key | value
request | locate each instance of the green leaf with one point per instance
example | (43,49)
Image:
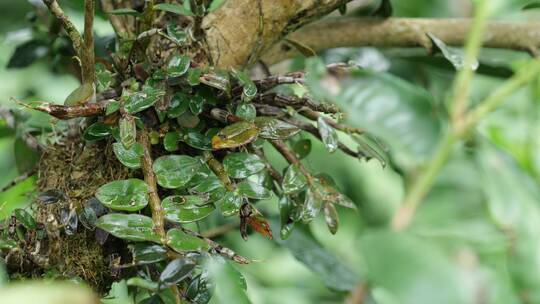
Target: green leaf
(198,141)
(170,141)
(176,33)
(194,75)
(229,282)
(25,218)
(181,242)
(249,88)
(384,10)
(142,283)
(285,209)
(125,11)
(140,101)
(128,131)
(27,53)
(235,135)
(312,204)
(97,131)
(230,203)
(126,195)
(188,120)
(204,181)
(186,208)
(130,158)
(454,55)
(175,171)
(302,148)
(176,271)
(273,128)
(294,180)
(42,292)
(196,104)
(179,105)
(335,274)
(253,190)
(531,5)
(217,80)
(131,227)
(242,164)
(246,111)
(84,93)
(331,217)
(112,107)
(175,8)
(147,253)
(178,66)
(372,148)
(328,135)
(26,158)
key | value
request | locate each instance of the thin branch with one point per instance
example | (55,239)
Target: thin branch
(289,155)
(313,115)
(158,216)
(87,54)
(404,32)
(70,28)
(295,102)
(68,112)
(220,230)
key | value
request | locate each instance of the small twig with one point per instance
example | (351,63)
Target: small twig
(70,28)
(313,115)
(158,217)
(289,155)
(219,170)
(217,248)
(295,102)
(68,112)
(18,179)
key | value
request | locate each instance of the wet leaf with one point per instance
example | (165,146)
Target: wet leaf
(147,253)
(249,88)
(204,181)
(331,217)
(196,104)
(81,95)
(88,218)
(294,180)
(302,148)
(219,81)
(175,8)
(252,190)
(179,105)
(126,195)
(260,224)
(312,204)
(128,131)
(285,209)
(328,135)
(131,227)
(176,271)
(242,164)
(273,128)
(170,141)
(130,158)
(230,203)
(142,100)
(175,171)
(198,141)
(178,66)
(194,75)
(176,33)
(186,208)
(69,220)
(97,131)
(246,111)
(235,135)
(454,55)
(181,242)
(25,218)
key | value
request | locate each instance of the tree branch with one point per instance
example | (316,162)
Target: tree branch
(70,28)
(87,55)
(240,30)
(404,32)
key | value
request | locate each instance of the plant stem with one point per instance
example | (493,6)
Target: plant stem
(87,54)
